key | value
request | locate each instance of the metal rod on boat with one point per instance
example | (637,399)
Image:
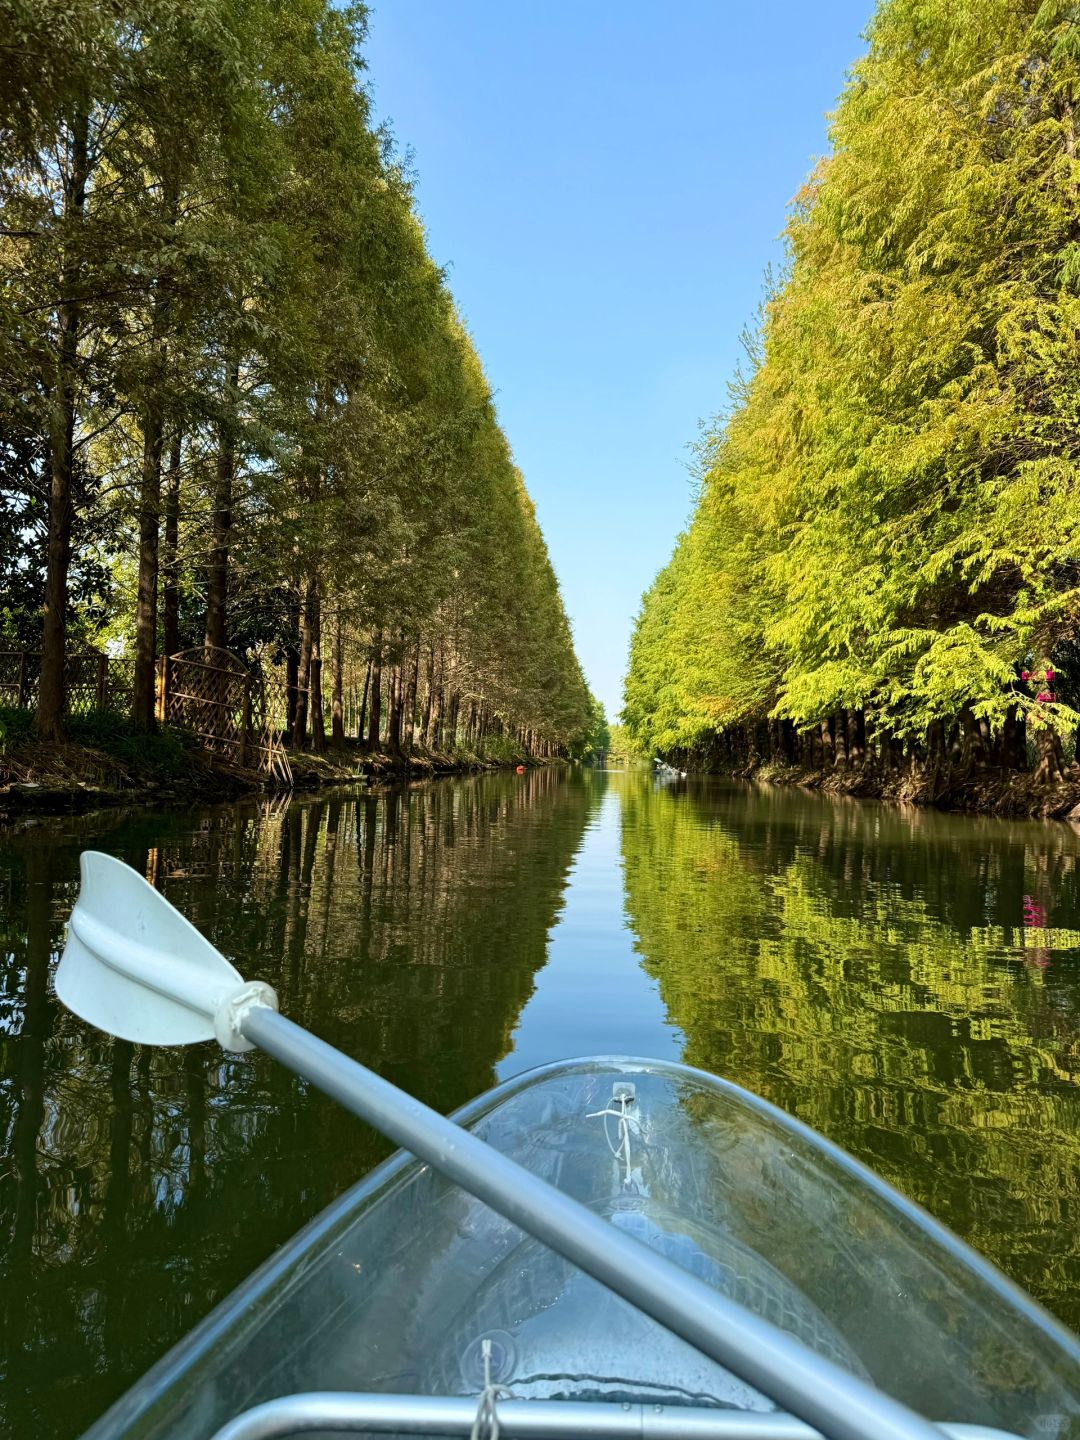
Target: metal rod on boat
(344,1413)
(811,1387)
(136,968)
(518,1419)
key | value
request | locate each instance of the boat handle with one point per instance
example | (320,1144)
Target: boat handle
(527,1420)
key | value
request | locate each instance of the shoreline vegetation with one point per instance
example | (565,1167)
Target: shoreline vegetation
(1010,795)
(878,591)
(961,783)
(125,768)
(253,483)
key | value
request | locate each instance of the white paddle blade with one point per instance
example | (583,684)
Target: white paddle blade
(134,967)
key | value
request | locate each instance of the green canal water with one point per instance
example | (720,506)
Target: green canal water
(908,983)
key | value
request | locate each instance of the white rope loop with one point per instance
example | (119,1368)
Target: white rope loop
(486,1424)
(622,1150)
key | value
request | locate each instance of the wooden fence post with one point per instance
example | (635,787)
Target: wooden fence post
(22,681)
(245,728)
(102,679)
(162,690)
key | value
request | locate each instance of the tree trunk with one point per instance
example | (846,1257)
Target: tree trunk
(840,739)
(146,606)
(375,715)
(217,587)
(425,721)
(142,702)
(363,704)
(437,703)
(986,738)
(304,690)
(955,745)
(410,704)
(338,722)
(1013,742)
(828,748)
(773,727)
(789,741)
(171,569)
(52,694)
(292,667)
(973,752)
(1050,761)
(393,720)
(153,428)
(315,694)
(857,736)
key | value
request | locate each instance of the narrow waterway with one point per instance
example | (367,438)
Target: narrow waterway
(908,983)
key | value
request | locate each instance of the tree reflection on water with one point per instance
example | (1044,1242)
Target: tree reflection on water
(870,970)
(906,983)
(139,1186)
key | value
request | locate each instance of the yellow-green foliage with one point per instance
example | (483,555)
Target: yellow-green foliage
(890,519)
(869,973)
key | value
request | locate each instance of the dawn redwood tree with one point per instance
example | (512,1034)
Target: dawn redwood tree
(888,525)
(224,343)
(180,239)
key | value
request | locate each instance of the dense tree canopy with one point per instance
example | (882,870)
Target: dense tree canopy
(885,548)
(237,404)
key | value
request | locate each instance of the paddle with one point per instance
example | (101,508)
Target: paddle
(134,967)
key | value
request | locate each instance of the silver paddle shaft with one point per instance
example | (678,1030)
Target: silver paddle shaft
(836,1403)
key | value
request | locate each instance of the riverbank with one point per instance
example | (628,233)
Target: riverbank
(1010,794)
(108,762)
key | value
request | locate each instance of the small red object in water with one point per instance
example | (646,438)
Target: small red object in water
(1034,914)
(521,770)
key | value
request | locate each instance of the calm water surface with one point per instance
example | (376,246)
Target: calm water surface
(907,983)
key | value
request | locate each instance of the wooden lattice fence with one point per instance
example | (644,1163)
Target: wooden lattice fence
(236,711)
(233,710)
(94,681)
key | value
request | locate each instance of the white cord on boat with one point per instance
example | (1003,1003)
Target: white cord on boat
(486,1424)
(622,1150)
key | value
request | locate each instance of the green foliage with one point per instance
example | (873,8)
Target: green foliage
(164,752)
(501,750)
(14,725)
(161,755)
(228,296)
(624,748)
(889,518)
(595,741)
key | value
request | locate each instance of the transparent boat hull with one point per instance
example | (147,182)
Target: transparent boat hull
(394,1287)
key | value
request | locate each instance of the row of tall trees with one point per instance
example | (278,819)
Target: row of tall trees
(237,406)
(885,553)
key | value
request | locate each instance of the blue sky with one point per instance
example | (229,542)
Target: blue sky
(606,185)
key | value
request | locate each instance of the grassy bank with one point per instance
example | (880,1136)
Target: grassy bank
(105,760)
